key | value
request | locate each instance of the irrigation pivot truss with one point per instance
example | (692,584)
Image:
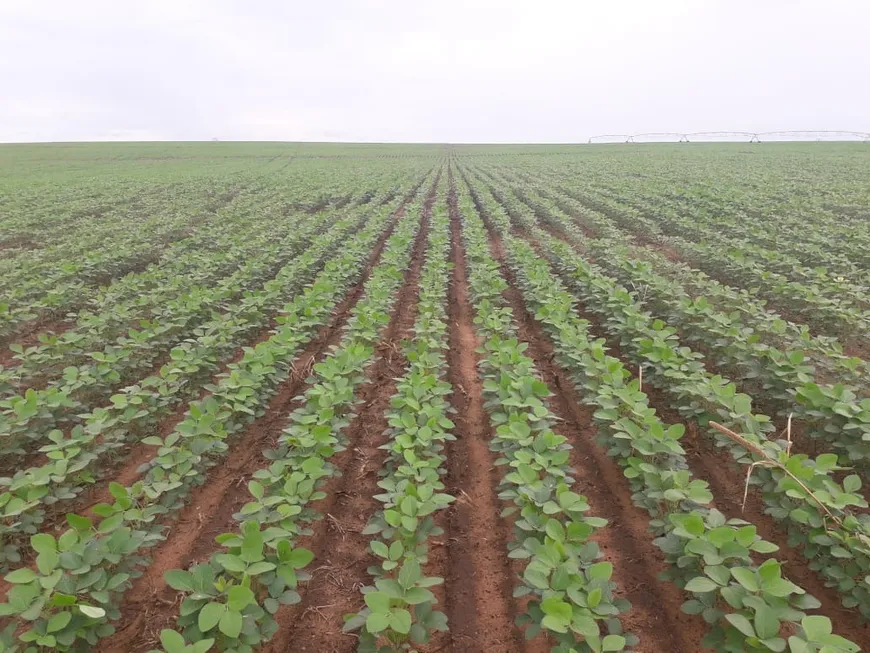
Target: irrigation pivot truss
(752,137)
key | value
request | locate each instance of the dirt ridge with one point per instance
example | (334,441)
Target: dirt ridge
(341,550)
(655,616)
(479,582)
(726,484)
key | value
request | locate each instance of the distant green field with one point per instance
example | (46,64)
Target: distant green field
(336,397)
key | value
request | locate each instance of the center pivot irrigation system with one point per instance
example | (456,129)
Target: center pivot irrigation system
(754,137)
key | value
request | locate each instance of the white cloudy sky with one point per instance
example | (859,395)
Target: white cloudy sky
(453,70)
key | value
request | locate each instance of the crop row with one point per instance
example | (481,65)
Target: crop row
(823,304)
(161,292)
(54,287)
(833,413)
(826,352)
(171,323)
(823,515)
(571,595)
(752,235)
(30,415)
(81,575)
(200,222)
(399,612)
(191,267)
(232,599)
(711,558)
(828,295)
(74,460)
(674,217)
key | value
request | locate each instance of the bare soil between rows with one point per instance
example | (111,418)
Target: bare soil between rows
(153,605)
(726,481)
(655,616)
(471,555)
(481,611)
(341,553)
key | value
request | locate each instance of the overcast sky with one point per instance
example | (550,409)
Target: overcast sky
(446,71)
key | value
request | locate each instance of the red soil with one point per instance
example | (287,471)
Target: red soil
(655,616)
(27,335)
(151,604)
(472,554)
(727,484)
(341,550)
(480,583)
(726,481)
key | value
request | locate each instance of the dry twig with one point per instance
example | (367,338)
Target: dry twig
(767,461)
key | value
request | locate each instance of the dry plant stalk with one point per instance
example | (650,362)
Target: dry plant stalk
(767,461)
(771,462)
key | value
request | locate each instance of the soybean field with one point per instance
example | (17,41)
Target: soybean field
(334,397)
